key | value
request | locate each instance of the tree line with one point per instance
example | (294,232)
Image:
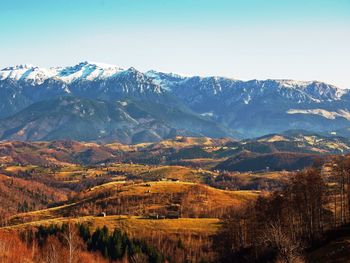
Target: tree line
(285,225)
(69,240)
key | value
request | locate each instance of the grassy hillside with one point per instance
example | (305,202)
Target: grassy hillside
(134,225)
(130,207)
(143,199)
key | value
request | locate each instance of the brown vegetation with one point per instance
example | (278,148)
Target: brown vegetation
(188,214)
(18,195)
(290,223)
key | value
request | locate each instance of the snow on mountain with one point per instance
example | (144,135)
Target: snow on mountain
(315,88)
(197,88)
(195,91)
(82,71)
(165,80)
(27,72)
(245,91)
(87,71)
(254,107)
(22,85)
(331,115)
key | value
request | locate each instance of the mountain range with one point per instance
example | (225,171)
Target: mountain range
(104,103)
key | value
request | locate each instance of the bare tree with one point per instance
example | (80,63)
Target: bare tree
(139,258)
(52,251)
(288,249)
(72,239)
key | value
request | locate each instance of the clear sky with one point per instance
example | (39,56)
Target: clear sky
(243,39)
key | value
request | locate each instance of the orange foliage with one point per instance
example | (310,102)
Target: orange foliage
(13,250)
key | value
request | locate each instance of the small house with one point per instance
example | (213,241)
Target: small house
(102,214)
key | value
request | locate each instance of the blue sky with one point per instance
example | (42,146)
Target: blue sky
(243,39)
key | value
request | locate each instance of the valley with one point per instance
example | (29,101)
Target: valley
(174,131)
(175,195)
(121,165)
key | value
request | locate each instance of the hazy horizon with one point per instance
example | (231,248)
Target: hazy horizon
(169,72)
(236,39)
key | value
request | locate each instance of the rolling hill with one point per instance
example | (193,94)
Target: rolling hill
(162,198)
(270,151)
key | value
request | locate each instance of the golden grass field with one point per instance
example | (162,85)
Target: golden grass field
(16,169)
(205,197)
(134,224)
(144,172)
(213,197)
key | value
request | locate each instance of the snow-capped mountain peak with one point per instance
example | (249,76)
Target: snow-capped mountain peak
(28,73)
(247,91)
(87,71)
(165,80)
(82,71)
(316,89)
(253,107)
